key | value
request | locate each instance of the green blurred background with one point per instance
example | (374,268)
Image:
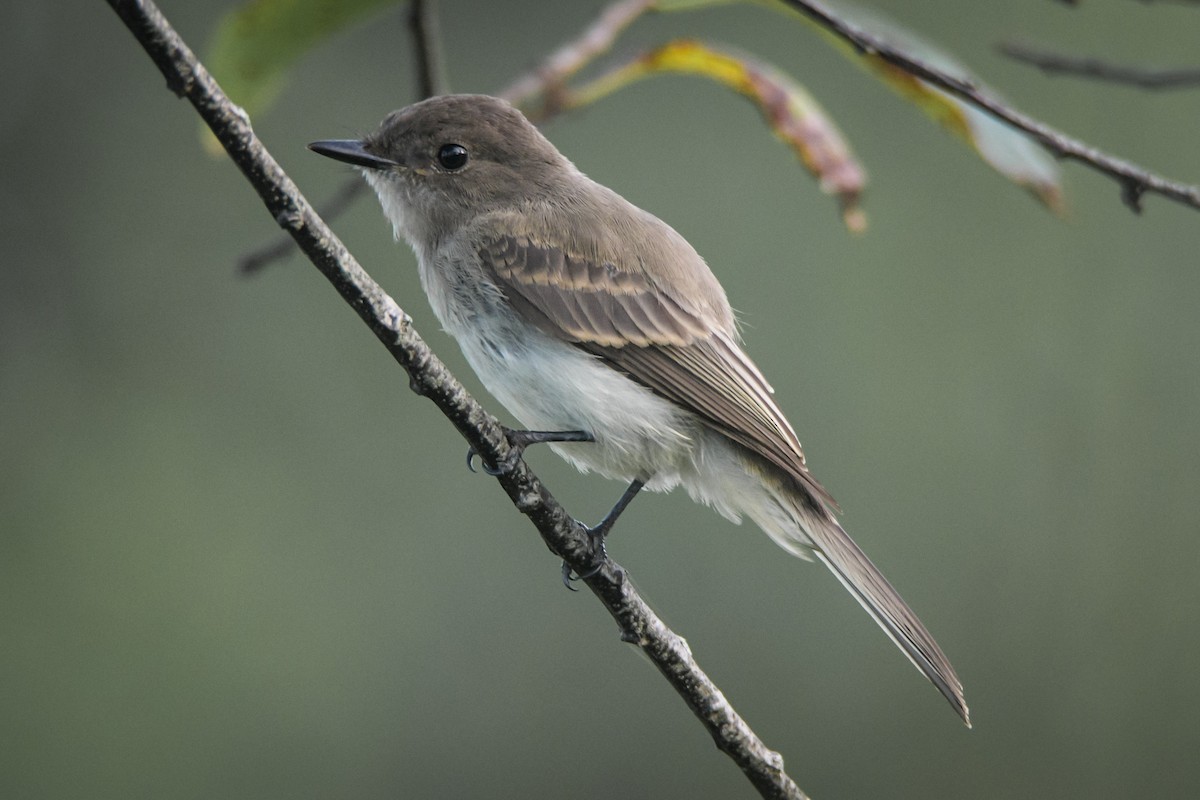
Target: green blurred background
(239,558)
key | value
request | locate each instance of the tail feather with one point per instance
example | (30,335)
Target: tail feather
(736,482)
(834,547)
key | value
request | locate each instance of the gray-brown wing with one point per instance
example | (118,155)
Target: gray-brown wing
(655,337)
(585,301)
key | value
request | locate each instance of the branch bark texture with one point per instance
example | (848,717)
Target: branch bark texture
(428,376)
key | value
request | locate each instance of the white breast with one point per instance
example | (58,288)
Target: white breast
(549,384)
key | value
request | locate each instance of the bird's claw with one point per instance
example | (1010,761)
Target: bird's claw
(600,556)
(514,453)
(517,442)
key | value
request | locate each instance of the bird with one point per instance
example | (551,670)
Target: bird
(604,332)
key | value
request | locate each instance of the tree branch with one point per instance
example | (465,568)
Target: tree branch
(428,376)
(1083,67)
(422,22)
(1133,180)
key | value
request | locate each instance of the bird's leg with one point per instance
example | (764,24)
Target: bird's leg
(518,441)
(598,534)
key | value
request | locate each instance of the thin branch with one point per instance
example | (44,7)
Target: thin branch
(422,22)
(564,62)
(1143,2)
(1083,67)
(1133,180)
(428,376)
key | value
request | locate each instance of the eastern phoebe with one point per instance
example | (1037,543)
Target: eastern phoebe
(585,315)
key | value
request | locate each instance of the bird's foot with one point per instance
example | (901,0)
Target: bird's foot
(599,556)
(517,442)
(598,534)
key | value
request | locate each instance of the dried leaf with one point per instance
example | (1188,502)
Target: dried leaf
(793,115)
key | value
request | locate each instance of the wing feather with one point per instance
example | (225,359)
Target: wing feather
(654,337)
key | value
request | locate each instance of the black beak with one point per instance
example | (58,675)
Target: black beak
(352,152)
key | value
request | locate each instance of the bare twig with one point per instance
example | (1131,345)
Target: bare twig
(431,74)
(1143,2)
(638,624)
(564,62)
(1142,77)
(1133,180)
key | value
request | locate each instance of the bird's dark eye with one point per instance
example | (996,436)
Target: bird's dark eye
(452,156)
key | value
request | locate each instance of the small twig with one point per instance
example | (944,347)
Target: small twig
(1058,64)
(564,62)
(1133,180)
(428,376)
(422,22)
(1143,2)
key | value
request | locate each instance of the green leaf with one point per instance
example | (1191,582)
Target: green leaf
(256,43)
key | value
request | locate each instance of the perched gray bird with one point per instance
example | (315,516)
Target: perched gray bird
(593,320)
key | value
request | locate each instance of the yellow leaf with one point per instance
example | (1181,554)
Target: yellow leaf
(792,113)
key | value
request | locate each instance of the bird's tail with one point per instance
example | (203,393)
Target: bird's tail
(821,535)
(798,514)
(885,605)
